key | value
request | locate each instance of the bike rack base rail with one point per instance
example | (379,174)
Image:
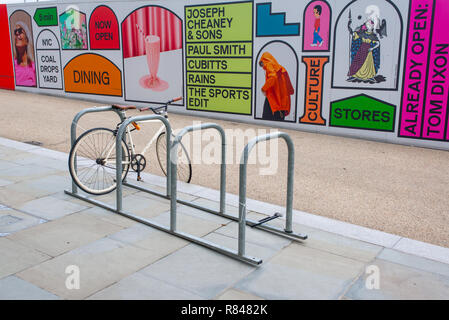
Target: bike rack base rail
(183,235)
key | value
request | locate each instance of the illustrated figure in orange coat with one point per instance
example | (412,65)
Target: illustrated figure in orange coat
(277,89)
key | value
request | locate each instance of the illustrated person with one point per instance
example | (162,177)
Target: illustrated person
(277,89)
(365,48)
(24,66)
(317,40)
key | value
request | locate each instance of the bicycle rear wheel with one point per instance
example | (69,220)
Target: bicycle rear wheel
(92,161)
(184,163)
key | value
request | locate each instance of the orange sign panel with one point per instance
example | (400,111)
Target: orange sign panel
(314,90)
(93,74)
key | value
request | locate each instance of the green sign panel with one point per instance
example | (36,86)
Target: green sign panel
(219,57)
(363,112)
(46,17)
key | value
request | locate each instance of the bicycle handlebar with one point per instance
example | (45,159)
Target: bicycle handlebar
(175,99)
(155,110)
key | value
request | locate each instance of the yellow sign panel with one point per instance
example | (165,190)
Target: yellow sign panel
(93,74)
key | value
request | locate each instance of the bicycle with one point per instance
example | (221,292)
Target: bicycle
(92,161)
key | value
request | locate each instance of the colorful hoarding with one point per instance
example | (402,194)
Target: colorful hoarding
(375,69)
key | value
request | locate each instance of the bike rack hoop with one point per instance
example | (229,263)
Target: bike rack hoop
(74,125)
(118,152)
(174,170)
(242,188)
(173,199)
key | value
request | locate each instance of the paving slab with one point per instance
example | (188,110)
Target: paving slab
(12,221)
(51,208)
(255,236)
(339,245)
(157,188)
(302,273)
(14,198)
(53,183)
(5,182)
(64,234)
(188,224)
(277,282)
(41,161)
(12,155)
(214,195)
(233,294)
(183,209)
(13,288)
(349,230)
(314,260)
(140,287)
(63,196)
(198,270)
(8,165)
(137,204)
(214,205)
(22,173)
(415,262)
(53,154)
(398,282)
(110,217)
(251,249)
(40,187)
(101,264)
(16,257)
(149,238)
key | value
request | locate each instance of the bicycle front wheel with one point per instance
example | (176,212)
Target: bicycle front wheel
(92,161)
(184,164)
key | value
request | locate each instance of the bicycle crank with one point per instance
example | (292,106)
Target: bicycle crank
(138,164)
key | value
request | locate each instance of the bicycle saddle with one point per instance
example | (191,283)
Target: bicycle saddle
(121,107)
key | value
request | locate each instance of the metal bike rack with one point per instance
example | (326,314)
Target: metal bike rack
(171,183)
(242,190)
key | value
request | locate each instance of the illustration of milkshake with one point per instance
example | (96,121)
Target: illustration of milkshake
(153,53)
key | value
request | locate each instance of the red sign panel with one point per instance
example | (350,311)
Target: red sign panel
(6,68)
(103,28)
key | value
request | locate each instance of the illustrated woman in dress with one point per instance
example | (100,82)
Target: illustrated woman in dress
(365,48)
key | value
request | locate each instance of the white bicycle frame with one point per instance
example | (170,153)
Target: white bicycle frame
(131,143)
(150,143)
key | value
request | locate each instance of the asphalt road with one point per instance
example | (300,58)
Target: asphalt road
(397,189)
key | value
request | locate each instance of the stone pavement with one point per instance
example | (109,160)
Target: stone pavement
(43,231)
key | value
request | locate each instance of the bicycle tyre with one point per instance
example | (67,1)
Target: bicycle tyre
(87,154)
(184,163)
